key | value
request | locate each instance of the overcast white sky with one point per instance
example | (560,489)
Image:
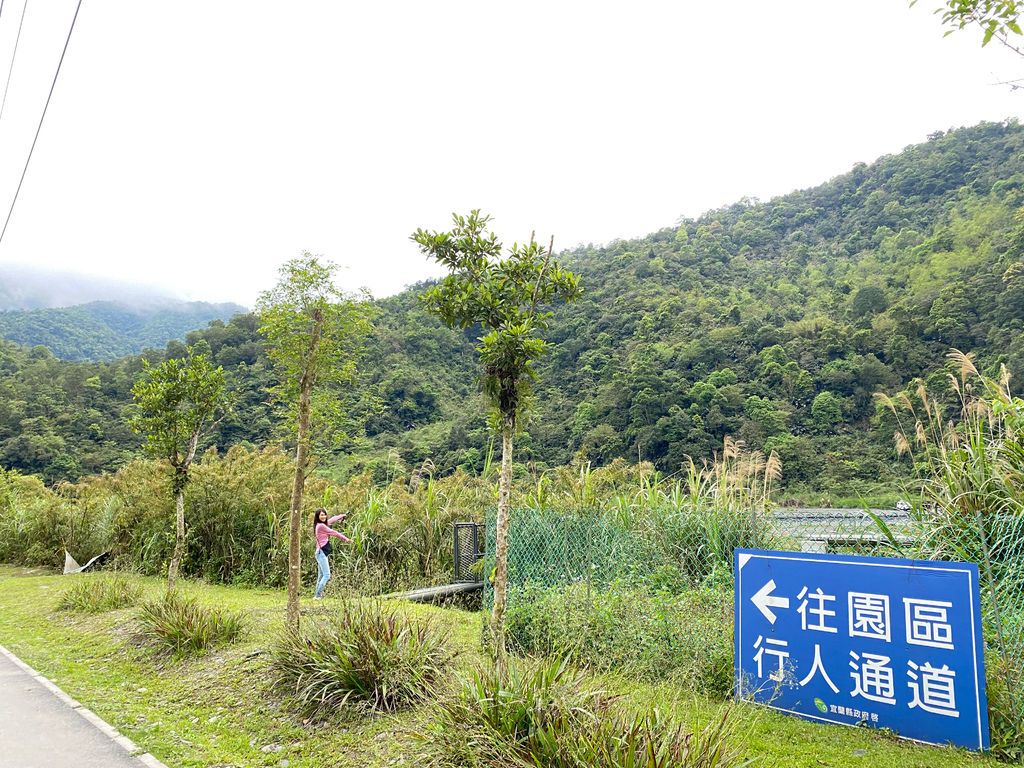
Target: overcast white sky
(196,146)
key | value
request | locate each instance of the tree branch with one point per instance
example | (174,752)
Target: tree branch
(540,276)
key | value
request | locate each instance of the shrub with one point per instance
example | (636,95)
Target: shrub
(1004,708)
(652,635)
(97,594)
(237,504)
(546,714)
(182,625)
(37,523)
(372,655)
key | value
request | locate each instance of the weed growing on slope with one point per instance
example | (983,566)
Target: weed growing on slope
(547,714)
(181,625)
(98,594)
(370,655)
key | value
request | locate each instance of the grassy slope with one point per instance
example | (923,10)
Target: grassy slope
(219,710)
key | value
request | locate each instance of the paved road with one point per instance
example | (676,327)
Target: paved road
(42,729)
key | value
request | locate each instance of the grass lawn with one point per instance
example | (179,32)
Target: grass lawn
(219,710)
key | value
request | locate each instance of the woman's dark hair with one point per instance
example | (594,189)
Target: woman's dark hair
(316,519)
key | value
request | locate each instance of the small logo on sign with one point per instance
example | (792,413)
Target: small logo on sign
(821,705)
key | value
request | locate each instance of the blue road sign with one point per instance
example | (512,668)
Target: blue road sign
(864,640)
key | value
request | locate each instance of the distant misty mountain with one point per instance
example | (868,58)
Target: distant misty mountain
(24,287)
(104,330)
(80,317)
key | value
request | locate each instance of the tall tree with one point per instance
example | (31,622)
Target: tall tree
(177,402)
(316,335)
(504,296)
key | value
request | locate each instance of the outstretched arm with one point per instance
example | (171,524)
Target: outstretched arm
(343,537)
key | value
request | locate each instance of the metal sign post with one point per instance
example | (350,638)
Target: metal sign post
(863,640)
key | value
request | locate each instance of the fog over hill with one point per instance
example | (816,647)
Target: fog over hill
(27,287)
(79,317)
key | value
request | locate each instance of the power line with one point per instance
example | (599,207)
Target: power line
(10,70)
(42,117)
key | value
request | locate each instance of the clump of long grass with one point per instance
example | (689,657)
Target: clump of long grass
(182,625)
(726,500)
(970,465)
(544,713)
(98,594)
(971,472)
(364,654)
(698,519)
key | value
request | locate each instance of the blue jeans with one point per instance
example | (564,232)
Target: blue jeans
(325,572)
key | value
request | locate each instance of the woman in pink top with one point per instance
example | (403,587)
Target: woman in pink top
(323,532)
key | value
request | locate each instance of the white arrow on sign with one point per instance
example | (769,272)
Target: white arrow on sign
(764,598)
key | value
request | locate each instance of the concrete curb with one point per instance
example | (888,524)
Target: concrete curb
(106,728)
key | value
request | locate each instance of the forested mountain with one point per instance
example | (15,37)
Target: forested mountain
(62,420)
(773,322)
(103,330)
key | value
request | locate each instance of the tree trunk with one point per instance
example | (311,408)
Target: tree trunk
(508,429)
(179,539)
(295,527)
(180,480)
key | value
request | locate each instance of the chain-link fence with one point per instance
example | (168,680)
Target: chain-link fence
(627,586)
(467,551)
(551,547)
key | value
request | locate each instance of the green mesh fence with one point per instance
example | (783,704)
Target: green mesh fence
(578,555)
(661,550)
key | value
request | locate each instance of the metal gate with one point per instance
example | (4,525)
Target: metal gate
(467,543)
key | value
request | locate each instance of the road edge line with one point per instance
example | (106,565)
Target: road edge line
(133,749)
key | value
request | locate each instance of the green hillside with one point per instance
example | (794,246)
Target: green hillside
(103,330)
(772,322)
